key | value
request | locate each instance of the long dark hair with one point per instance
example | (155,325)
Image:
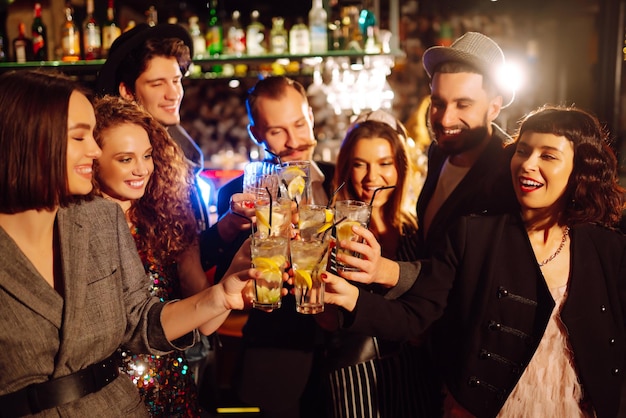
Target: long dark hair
(593,194)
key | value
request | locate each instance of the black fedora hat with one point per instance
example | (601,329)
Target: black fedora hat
(475,49)
(107,80)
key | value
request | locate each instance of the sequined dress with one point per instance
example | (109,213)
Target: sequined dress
(165,383)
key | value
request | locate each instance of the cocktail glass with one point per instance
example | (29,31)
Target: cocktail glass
(314,220)
(309,259)
(260,178)
(276,224)
(269,256)
(295,180)
(351,212)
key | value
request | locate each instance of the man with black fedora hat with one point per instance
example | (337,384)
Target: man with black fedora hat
(146,64)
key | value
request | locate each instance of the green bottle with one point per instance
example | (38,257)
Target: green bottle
(214,38)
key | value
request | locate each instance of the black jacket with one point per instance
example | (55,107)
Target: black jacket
(491,305)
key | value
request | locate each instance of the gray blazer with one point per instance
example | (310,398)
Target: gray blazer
(106,305)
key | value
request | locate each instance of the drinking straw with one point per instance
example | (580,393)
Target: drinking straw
(270,215)
(374,197)
(378,190)
(332,196)
(280,162)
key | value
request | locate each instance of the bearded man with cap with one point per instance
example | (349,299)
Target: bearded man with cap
(467,159)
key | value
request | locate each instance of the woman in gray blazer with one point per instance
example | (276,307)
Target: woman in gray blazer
(526,309)
(72,287)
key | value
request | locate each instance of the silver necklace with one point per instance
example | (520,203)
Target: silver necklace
(558,250)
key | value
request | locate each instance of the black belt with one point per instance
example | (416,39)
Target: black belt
(41,396)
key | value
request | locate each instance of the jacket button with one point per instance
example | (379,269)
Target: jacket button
(473,382)
(603,308)
(612,341)
(494,326)
(485,355)
(502,292)
(615,372)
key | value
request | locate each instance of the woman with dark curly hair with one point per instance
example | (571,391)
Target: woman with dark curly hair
(526,309)
(144,171)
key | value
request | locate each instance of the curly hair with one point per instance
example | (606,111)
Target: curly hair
(593,194)
(369,129)
(163,215)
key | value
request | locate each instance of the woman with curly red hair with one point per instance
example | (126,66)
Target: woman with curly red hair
(144,171)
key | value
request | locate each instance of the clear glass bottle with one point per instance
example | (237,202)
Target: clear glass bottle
(198,40)
(318,27)
(214,31)
(299,42)
(279,40)
(92,44)
(255,36)
(110,30)
(236,37)
(40,37)
(70,36)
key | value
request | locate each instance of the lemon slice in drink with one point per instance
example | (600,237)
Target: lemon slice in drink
(344,230)
(303,278)
(328,214)
(267,264)
(293,171)
(265,295)
(328,221)
(296,187)
(262,219)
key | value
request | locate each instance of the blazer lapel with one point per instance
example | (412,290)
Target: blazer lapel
(22,280)
(74,242)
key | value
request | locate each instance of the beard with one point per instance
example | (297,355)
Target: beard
(466,140)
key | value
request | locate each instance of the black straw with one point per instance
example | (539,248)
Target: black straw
(332,196)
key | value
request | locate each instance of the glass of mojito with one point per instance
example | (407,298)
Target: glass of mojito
(313,221)
(295,179)
(309,259)
(273,217)
(269,256)
(349,213)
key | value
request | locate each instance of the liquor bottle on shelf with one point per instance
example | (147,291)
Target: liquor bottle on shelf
(40,37)
(255,35)
(92,44)
(318,27)
(279,39)
(70,36)
(299,42)
(214,34)
(22,46)
(152,16)
(110,30)
(236,37)
(199,41)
